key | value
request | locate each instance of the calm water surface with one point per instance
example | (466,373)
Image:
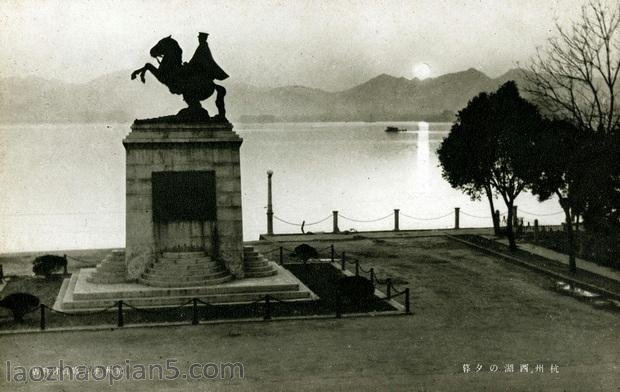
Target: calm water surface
(63,186)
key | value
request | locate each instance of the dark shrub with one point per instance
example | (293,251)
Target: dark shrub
(20,304)
(305,252)
(356,288)
(48,264)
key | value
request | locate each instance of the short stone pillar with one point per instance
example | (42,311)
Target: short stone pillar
(396,219)
(335,228)
(183,191)
(457,211)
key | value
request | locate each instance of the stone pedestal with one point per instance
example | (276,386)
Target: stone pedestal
(196,151)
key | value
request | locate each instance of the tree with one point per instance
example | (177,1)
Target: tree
(464,153)
(575,78)
(558,166)
(491,135)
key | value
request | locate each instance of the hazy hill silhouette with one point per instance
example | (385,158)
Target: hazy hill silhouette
(115,98)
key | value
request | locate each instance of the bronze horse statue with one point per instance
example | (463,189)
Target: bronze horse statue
(193,80)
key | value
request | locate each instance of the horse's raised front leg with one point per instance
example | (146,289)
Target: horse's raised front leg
(136,72)
(142,72)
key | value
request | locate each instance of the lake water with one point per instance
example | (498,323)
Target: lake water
(63,186)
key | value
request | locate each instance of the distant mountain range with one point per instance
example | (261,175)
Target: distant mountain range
(116,98)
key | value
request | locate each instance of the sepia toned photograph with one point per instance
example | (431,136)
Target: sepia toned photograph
(346,195)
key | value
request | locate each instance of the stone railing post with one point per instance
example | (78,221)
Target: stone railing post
(119,315)
(396,223)
(194,311)
(42,317)
(407,301)
(335,222)
(456,217)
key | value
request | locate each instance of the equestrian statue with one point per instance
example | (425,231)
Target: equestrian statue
(193,80)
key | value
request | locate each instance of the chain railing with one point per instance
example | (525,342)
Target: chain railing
(358,270)
(390,293)
(366,220)
(397,214)
(120,312)
(427,218)
(267,311)
(303,223)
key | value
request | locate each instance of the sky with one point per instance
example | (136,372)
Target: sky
(330,45)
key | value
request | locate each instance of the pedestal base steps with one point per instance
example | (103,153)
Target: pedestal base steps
(256,265)
(184,269)
(78,294)
(112,269)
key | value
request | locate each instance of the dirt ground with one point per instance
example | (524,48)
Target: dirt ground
(470,309)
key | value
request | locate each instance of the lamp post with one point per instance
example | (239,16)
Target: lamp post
(269,206)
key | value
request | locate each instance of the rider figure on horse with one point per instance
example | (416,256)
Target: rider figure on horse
(193,80)
(202,62)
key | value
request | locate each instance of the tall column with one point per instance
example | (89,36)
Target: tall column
(269,205)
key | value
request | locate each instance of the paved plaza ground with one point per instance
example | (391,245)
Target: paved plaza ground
(470,308)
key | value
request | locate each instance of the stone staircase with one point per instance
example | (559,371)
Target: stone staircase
(184,269)
(256,265)
(77,294)
(112,269)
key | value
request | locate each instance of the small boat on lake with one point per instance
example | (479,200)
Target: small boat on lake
(395,129)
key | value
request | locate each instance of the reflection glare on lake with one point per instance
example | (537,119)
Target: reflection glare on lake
(423,154)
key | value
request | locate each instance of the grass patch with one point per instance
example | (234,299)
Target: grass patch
(45,289)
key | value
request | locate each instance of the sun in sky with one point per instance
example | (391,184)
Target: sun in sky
(422,70)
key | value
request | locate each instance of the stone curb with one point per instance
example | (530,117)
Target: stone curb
(557,275)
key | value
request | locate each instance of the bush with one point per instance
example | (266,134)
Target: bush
(20,304)
(48,264)
(305,252)
(356,288)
